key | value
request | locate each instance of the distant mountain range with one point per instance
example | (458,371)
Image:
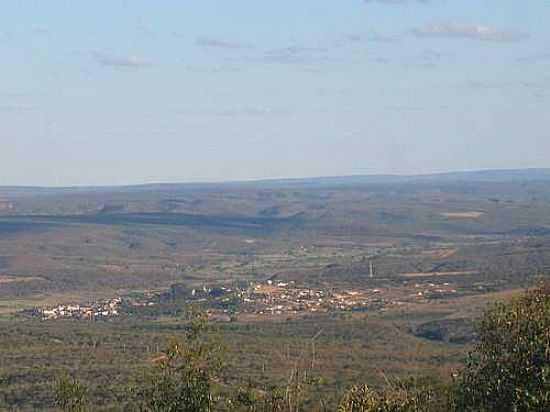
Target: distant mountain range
(479,176)
(488,176)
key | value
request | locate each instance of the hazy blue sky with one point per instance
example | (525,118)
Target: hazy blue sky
(113,92)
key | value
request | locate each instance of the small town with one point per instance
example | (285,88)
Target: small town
(259,298)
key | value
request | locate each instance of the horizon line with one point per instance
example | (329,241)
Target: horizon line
(275,179)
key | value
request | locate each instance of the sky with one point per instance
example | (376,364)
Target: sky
(123,92)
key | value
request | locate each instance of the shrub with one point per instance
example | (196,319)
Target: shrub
(400,396)
(509,370)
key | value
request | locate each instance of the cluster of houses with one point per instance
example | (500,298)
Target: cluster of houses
(434,291)
(287,297)
(102,309)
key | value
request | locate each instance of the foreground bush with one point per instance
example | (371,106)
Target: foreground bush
(398,397)
(509,369)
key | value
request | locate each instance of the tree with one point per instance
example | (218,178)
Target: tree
(509,370)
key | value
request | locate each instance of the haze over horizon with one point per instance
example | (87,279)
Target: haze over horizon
(120,92)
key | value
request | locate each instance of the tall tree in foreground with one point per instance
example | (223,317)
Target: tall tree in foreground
(509,370)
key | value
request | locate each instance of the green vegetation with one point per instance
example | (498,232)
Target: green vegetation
(510,366)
